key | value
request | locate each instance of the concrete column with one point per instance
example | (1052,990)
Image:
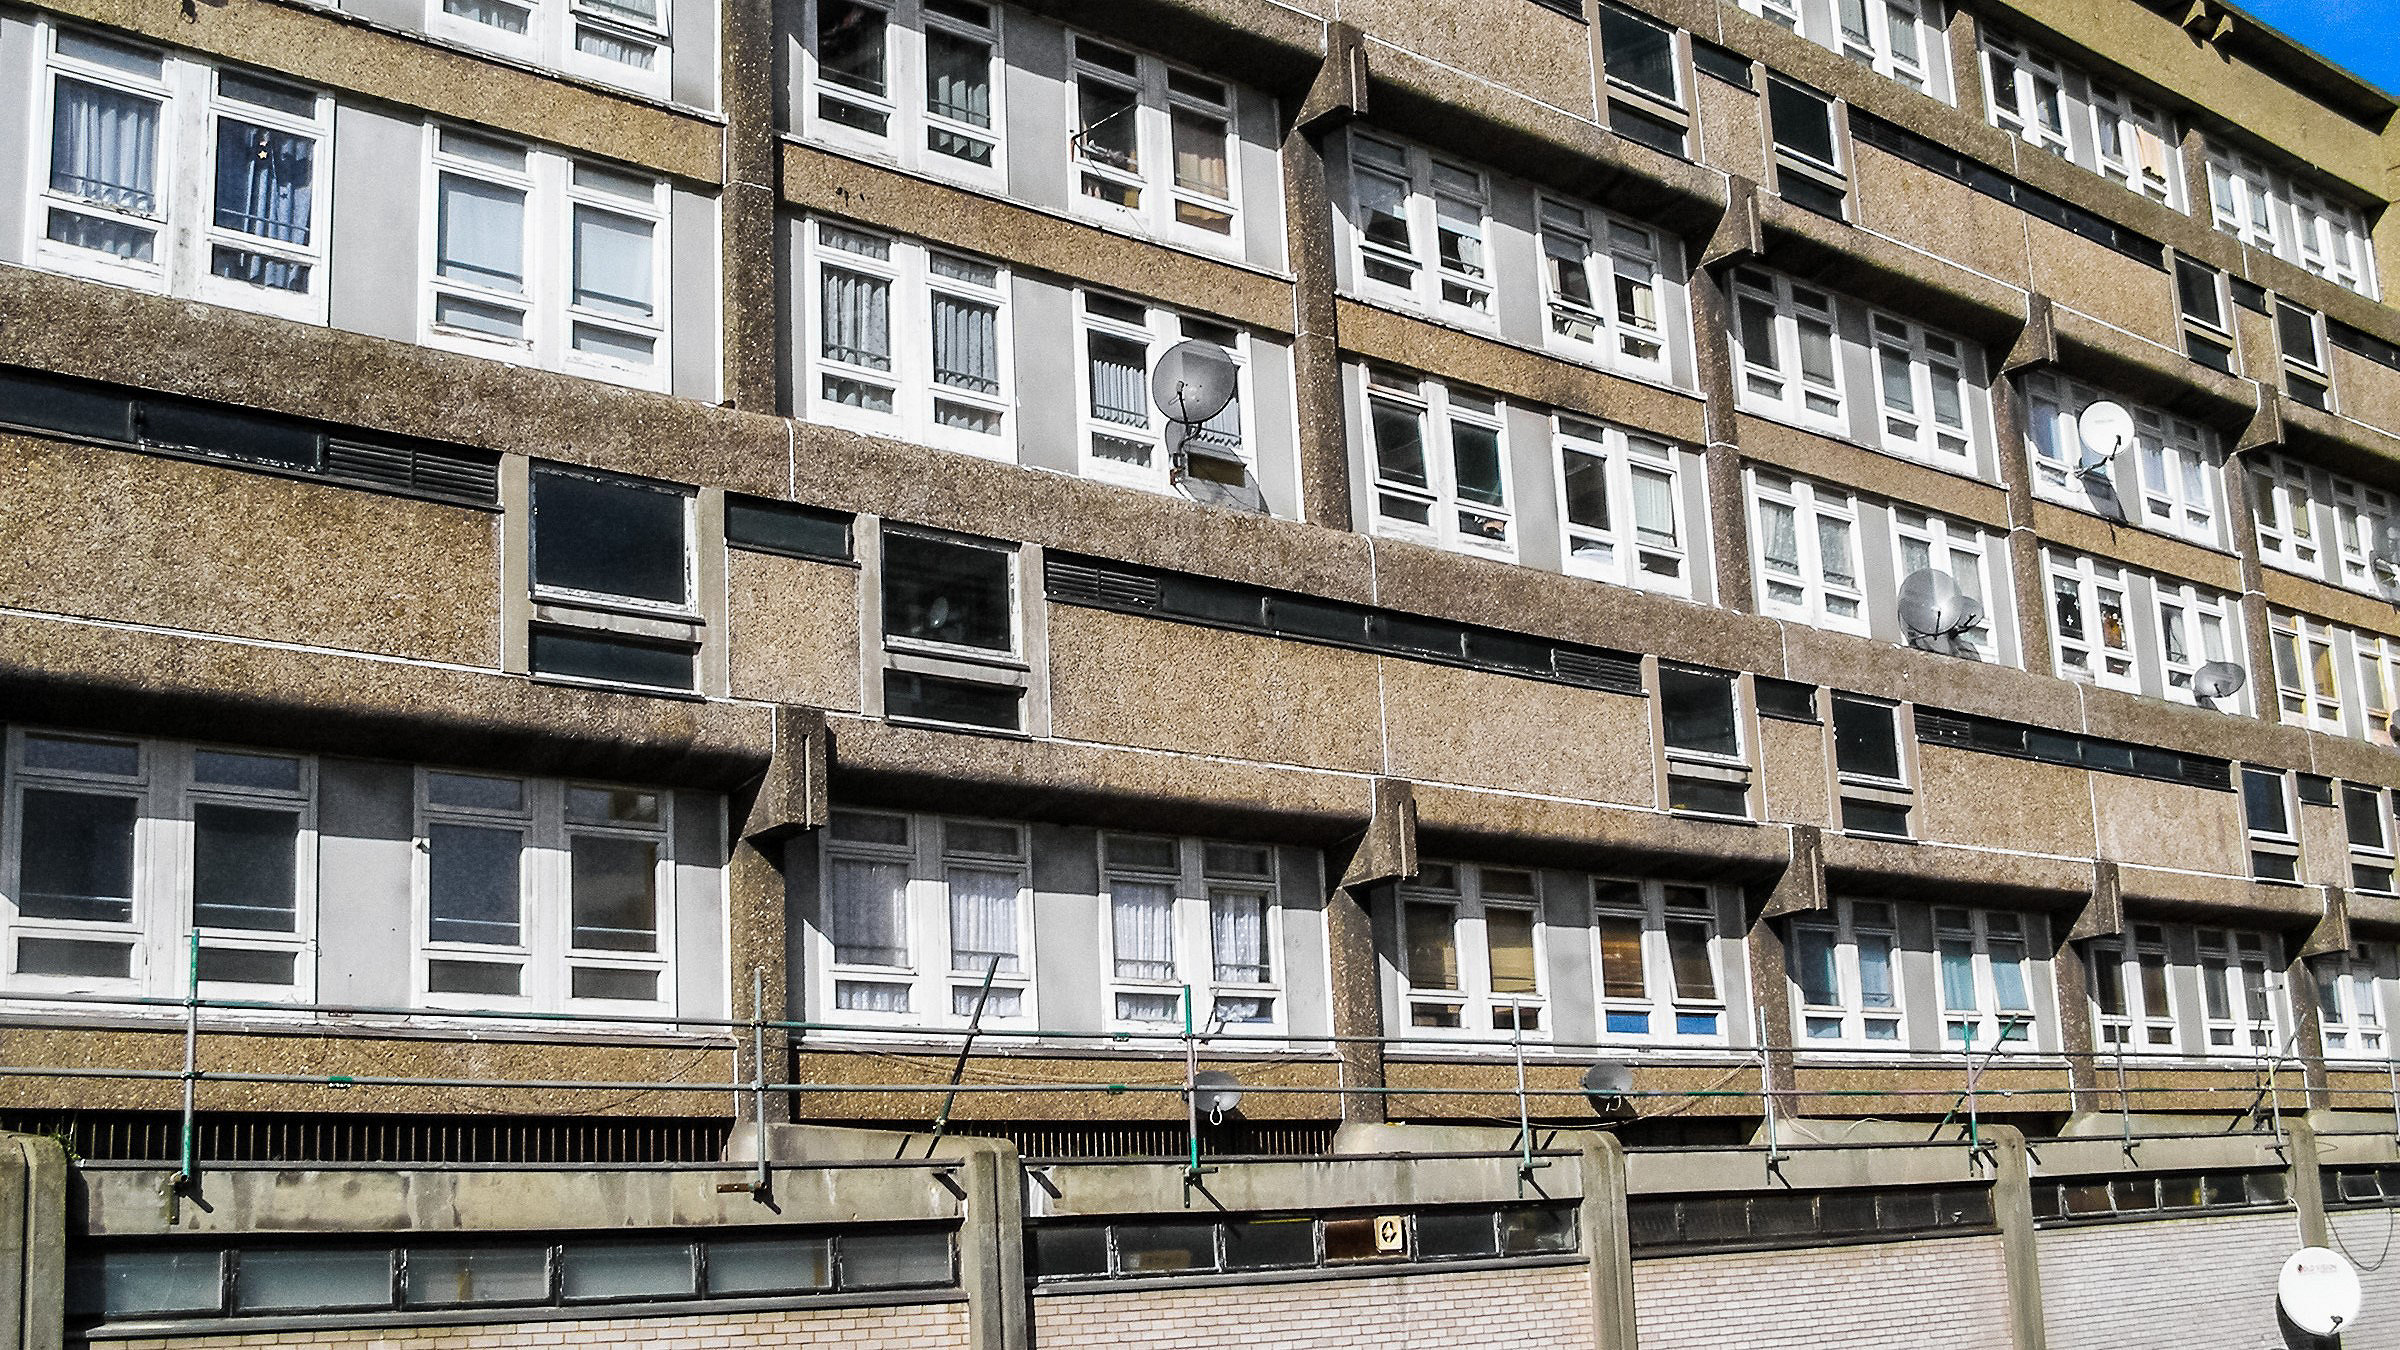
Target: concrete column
(1966,62)
(2012,1205)
(33,1243)
(991,1255)
(2102,915)
(1607,1237)
(1338,95)
(1357,991)
(2025,582)
(751,359)
(1728,518)
(1800,890)
(2258,653)
(789,799)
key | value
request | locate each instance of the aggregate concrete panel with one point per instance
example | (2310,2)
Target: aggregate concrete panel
(1131,681)
(2180,559)
(1730,136)
(1845,464)
(1792,772)
(1497,731)
(1994,802)
(1532,50)
(795,630)
(109,534)
(1940,215)
(2096,280)
(2366,390)
(2318,599)
(2169,825)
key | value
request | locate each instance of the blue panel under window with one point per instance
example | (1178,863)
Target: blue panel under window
(1629,1024)
(1695,1024)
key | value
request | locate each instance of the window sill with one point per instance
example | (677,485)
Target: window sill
(630,620)
(615,687)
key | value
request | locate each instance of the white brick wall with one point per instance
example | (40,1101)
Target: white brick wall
(2372,1237)
(2176,1284)
(941,1326)
(1879,1296)
(1542,1309)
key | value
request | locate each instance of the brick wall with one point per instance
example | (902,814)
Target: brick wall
(2371,1238)
(926,1327)
(1482,1309)
(2169,1285)
(1952,1293)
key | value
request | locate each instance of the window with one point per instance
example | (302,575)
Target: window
(915,80)
(911,341)
(1191,915)
(1471,941)
(2300,336)
(1644,80)
(618,42)
(2363,529)
(1621,498)
(2166,482)
(2207,331)
(1418,224)
(118,852)
(950,625)
(2367,823)
(2267,817)
(2131,992)
(2143,1195)
(1870,760)
(537,258)
(1922,540)
(1602,278)
(1152,1249)
(2126,630)
(1783,340)
(2239,991)
(2296,220)
(2378,683)
(601,545)
(2078,118)
(2196,627)
(2308,681)
(2350,988)
(1983,956)
(920,913)
(1843,966)
(1661,979)
(1441,464)
(1807,542)
(1153,145)
(1700,725)
(1808,159)
(1126,438)
(1901,39)
(544,896)
(171,175)
(2283,508)
(1923,380)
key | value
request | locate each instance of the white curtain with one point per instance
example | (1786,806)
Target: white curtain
(482,230)
(1119,374)
(966,344)
(104,147)
(856,319)
(983,920)
(1142,928)
(1200,153)
(1654,506)
(1833,552)
(498,14)
(869,912)
(1782,530)
(611,47)
(612,263)
(1237,926)
(858,996)
(958,78)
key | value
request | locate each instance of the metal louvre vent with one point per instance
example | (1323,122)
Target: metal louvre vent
(1077,583)
(156,1137)
(1944,728)
(1598,670)
(438,471)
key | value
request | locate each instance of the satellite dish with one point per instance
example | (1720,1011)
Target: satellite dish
(1936,614)
(2319,1291)
(1216,1092)
(2384,552)
(2107,432)
(2217,679)
(1194,381)
(1606,1085)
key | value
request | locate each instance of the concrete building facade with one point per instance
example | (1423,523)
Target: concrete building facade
(631,713)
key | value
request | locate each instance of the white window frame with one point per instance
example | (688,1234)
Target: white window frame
(1456,294)
(1618,262)
(2283,508)
(1812,595)
(939,992)
(1928,360)
(1777,384)
(2040,89)
(2140,1029)
(2352,1022)
(552,194)
(910,123)
(2302,223)
(2168,481)
(2377,661)
(1467,889)
(1976,561)
(1196,881)
(2306,650)
(922,407)
(1987,1026)
(553,35)
(1654,905)
(2249,978)
(164,790)
(2214,633)
(1161,200)
(2359,512)
(191,100)
(1866,37)
(1439,412)
(2092,658)
(1849,1023)
(1623,551)
(1159,330)
(2153,166)
(545,953)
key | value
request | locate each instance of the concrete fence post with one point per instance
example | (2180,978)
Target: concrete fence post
(33,1243)
(2306,1182)
(2012,1206)
(1608,1237)
(992,1244)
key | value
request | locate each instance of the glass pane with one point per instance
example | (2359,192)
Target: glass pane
(1586,489)
(472,884)
(966,344)
(1399,443)
(1509,935)
(612,263)
(1813,968)
(1476,451)
(1118,369)
(228,769)
(481,233)
(613,893)
(850,45)
(73,754)
(1688,949)
(104,146)
(1621,966)
(868,921)
(609,537)
(887,1260)
(1803,121)
(307,1280)
(1432,945)
(1456,1235)
(770,1265)
(854,319)
(1639,54)
(958,78)
(1958,974)
(1698,712)
(983,920)
(439,1276)
(74,957)
(77,857)
(1109,130)
(1865,739)
(1069,1249)
(1251,1244)
(1875,970)
(115,1285)
(956,594)
(1144,1248)
(1200,153)
(650,1270)
(245,867)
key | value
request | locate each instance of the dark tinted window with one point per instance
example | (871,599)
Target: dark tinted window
(1866,738)
(596,656)
(1640,54)
(956,594)
(1803,121)
(609,536)
(2297,328)
(1874,818)
(2262,802)
(2196,287)
(1698,710)
(780,527)
(930,698)
(1787,699)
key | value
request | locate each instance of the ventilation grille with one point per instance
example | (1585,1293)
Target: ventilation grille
(1078,583)
(1599,670)
(433,470)
(157,1137)
(1045,1140)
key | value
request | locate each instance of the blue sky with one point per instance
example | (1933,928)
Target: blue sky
(2363,35)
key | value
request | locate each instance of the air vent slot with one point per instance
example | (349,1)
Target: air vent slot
(1077,583)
